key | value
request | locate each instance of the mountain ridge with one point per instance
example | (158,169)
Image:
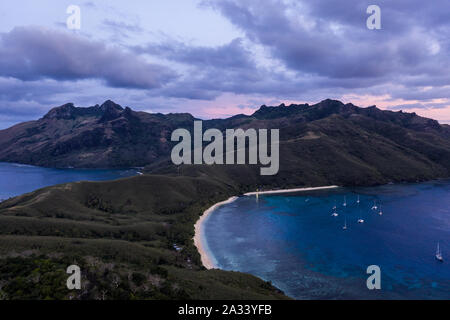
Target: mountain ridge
(328,142)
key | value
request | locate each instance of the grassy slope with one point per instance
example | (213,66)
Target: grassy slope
(118,232)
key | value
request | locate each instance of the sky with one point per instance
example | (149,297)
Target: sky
(217,58)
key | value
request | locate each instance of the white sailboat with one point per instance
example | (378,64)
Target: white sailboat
(345,201)
(360,220)
(381,212)
(375,207)
(345,224)
(357,201)
(439,254)
(334,214)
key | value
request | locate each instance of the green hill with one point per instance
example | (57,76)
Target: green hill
(122,235)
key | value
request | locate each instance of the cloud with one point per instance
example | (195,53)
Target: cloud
(319,38)
(32,53)
(323,49)
(212,71)
(231,55)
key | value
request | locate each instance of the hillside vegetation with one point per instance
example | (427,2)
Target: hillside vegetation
(123,235)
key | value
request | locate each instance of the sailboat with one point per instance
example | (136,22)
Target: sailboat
(374,205)
(360,220)
(357,201)
(345,201)
(381,212)
(334,214)
(439,254)
(345,224)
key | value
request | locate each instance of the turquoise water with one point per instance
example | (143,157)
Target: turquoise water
(16,179)
(295,242)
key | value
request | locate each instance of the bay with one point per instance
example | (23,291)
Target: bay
(294,241)
(17,179)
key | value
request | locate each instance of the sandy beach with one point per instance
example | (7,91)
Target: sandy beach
(199,237)
(289,190)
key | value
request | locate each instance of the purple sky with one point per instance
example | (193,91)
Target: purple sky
(219,58)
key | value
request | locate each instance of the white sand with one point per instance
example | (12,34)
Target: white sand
(199,237)
(289,190)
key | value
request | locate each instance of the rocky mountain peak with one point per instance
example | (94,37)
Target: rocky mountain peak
(66,111)
(110,111)
(109,106)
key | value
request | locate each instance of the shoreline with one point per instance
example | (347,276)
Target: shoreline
(199,235)
(289,190)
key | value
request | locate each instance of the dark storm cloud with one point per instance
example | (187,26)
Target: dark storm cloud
(212,70)
(228,68)
(331,39)
(31,53)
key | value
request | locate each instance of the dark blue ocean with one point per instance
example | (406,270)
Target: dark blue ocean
(293,241)
(16,179)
